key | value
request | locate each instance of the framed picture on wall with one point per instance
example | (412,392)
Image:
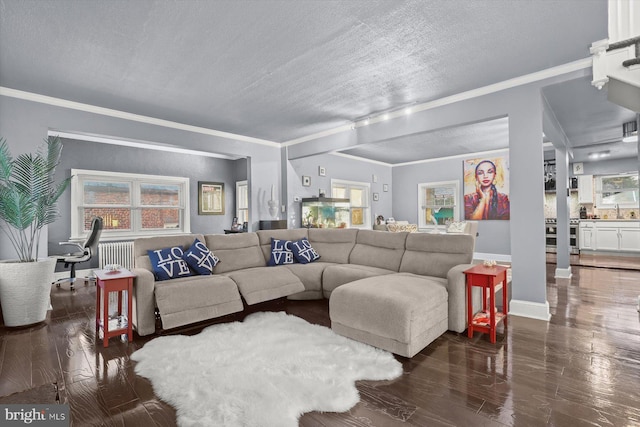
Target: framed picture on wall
(210,198)
(486,188)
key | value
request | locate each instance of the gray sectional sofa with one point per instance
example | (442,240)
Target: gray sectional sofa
(366,274)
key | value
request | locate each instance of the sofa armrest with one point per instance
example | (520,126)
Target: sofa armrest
(144,302)
(457,289)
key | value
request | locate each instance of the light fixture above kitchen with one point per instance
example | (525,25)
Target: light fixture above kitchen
(630,132)
(599,155)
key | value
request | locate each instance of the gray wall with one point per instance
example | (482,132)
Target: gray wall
(114,158)
(405,202)
(25,124)
(609,167)
(337,167)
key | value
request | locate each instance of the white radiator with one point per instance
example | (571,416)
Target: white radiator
(120,253)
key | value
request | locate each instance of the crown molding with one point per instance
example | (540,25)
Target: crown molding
(139,144)
(64,103)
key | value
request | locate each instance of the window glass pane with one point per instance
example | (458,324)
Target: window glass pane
(243,197)
(357,216)
(441,215)
(357,197)
(160,218)
(339,192)
(106,193)
(620,190)
(159,195)
(440,196)
(112,218)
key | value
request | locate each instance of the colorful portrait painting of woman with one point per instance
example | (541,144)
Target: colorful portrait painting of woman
(486,188)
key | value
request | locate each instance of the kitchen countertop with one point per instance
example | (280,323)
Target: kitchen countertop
(610,220)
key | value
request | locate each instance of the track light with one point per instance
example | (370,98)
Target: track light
(630,132)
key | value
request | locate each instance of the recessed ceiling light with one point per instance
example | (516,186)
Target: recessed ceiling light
(408,110)
(366,122)
(385,116)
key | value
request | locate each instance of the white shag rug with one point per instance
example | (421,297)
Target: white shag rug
(265,371)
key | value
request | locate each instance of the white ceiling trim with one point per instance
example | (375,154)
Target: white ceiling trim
(43,99)
(136,144)
(567,68)
(457,156)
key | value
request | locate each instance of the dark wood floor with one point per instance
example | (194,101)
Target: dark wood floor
(581,368)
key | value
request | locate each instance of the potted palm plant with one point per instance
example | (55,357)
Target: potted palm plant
(28,196)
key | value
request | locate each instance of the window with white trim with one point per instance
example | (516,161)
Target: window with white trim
(358,194)
(620,190)
(242,201)
(131,205)
(438,203)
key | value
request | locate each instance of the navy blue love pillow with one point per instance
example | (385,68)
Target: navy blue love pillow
(167,263)
(281,252)
(200,258)
(303,251)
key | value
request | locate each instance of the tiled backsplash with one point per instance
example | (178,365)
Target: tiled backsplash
(550,205)
(574,208)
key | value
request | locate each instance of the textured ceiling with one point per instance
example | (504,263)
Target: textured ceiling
(280,70)
(471,138)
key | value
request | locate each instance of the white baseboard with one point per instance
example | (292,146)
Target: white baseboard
(495,257)
(563,273)
(533,310)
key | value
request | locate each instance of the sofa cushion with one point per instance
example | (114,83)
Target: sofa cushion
(378,249)
(167,263)
(236,251)
(333,245)
(265,283)
(311,277)
(401,314)
(265,236)
(196,298)
(338,274)
(303,251)
(200,258)
(430,254)
(281,252)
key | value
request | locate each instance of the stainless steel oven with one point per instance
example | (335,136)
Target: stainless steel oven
(551,232)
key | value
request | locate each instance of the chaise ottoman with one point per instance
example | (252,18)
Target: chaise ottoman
(400,313)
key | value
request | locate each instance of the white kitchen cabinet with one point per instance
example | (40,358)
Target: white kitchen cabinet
(622,236)
(630,239)
(585,188)
(607,238)
(587,236)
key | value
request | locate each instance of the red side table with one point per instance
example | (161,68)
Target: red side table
(113,281)
(492,279)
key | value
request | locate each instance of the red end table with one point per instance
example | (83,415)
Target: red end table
(113,281)
(492,279)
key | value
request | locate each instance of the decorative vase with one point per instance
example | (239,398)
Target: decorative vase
(273,208)
(25,290)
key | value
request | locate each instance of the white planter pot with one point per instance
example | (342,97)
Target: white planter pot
(25,289)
